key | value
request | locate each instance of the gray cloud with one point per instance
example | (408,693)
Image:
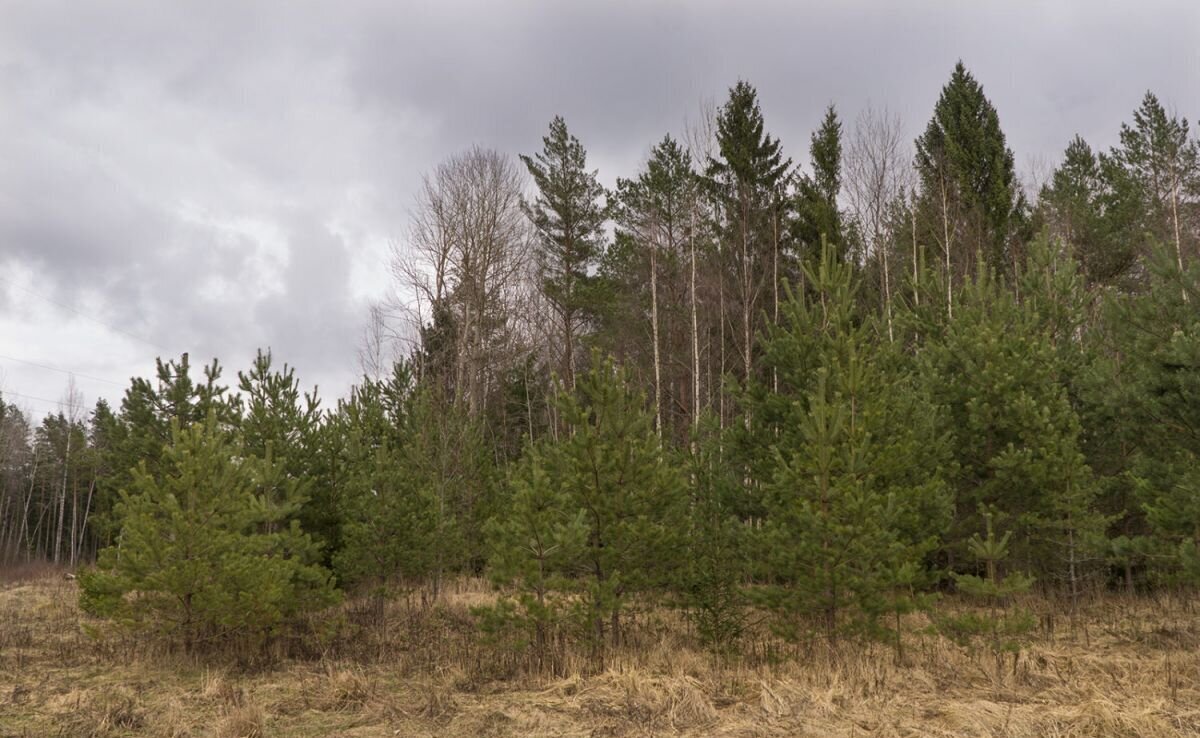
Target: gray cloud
(218,176)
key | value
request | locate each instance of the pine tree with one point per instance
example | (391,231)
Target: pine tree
(1003,368)
(569,216)
(1002,630)
(276,412)
(16,457)
(1158,153)
(854,489)
(345,450)
(610,470)
(1169,487)
(140,431)
(203,556)
(390,525)
(277,419)
(416,492)
(1086,205)
(445,455)
(1154,388)
(535,547)
(645,266)
(102,492)
(716,551)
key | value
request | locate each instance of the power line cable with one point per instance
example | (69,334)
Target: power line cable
(64,371)
(5,393)
(84,315)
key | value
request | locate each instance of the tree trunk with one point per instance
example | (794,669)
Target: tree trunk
(23,536)
(722,368)
(916,257)
(654,331)
(747,303)
(5,527)
(74,520)
(569,351)
(1175,223)
(946,248)
(62,499)
(775,282)
(695,329)
(87,509)
(528,403)
(887,297)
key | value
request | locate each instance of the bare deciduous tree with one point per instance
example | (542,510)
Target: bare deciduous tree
(876,173)
(463,267)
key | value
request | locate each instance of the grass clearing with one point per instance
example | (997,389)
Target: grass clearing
(1126,668)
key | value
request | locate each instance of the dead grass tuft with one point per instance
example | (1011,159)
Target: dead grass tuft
(173,720)
(217,687)
(245,721)
(105,713)
(639,699)
(340,687)
(437,702)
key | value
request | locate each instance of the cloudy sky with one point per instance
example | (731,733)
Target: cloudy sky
(218,176)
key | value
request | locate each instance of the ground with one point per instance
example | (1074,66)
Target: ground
(1128,667)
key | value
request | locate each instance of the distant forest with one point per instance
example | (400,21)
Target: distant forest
(825,393)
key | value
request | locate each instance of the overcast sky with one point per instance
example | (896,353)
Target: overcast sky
(214,177)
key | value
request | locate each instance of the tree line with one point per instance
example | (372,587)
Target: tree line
(731,384)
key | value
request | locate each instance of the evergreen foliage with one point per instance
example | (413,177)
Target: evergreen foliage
(848,503)
(745,183)
(1161,160)
(1000,627)
(416,487)
(717,549)
(209,550)
(818,218)
(971,192)
(593,505)
(568,214)
(1089,208)
(770,424)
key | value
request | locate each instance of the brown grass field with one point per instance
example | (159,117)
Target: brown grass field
(1127,668)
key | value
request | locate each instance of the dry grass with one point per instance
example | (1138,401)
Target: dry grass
(1126,668)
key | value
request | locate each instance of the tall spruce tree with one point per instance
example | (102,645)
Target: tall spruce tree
(971,199)
(746,182)
(817,214)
